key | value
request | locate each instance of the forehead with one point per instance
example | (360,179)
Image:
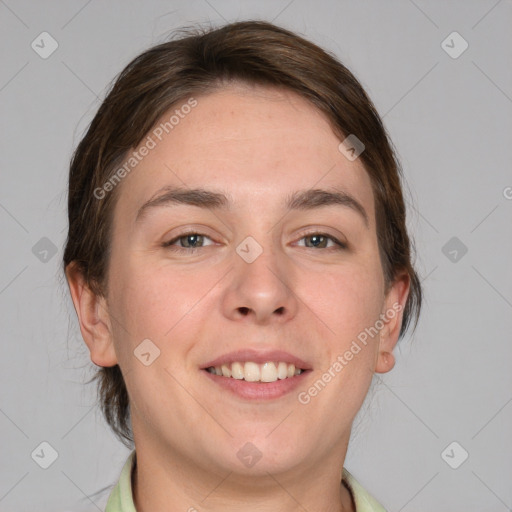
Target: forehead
(258,143)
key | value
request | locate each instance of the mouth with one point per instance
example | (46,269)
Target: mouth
(257,375)
(249,371)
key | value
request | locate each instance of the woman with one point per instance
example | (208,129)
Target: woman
(240,266)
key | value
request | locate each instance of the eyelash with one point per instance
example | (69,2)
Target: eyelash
(191,250)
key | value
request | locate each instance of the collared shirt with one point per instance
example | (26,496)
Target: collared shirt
(121,498)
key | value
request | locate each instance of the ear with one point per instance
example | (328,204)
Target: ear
(392,315)
(93,317)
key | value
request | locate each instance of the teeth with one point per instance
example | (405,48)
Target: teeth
(253,372)
(282,371)
(237,371)
(269,372)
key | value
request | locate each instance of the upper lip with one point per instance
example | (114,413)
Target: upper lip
(259,357)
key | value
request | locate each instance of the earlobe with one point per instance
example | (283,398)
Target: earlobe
(394,305)
(93,318)
(385,362)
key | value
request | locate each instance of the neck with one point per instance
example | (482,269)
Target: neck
(159,484)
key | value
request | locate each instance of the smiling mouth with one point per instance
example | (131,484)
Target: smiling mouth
(252,372)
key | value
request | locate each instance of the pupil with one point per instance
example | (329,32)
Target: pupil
(318,238)
(192,239)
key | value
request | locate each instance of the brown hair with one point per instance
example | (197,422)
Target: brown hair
(200,61)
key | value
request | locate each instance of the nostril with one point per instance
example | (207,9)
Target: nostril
(244,310)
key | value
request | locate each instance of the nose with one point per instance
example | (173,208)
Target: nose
(262,290)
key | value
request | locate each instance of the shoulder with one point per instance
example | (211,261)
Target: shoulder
(364,501)
(121,498)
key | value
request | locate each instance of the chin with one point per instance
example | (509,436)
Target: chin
(263,454)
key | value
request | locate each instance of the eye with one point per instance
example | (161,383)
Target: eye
(188,242)
(192,241)
(321,240)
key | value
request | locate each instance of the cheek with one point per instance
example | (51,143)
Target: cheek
(346,300)
(153,301)
(158,305)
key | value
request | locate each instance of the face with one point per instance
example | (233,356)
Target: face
(264,267)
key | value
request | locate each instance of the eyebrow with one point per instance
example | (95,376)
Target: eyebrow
(309,199)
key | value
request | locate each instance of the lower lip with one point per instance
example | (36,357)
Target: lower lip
(258,390)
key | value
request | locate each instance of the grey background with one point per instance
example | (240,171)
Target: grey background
(450,120)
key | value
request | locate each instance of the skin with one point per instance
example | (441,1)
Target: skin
(258,145)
